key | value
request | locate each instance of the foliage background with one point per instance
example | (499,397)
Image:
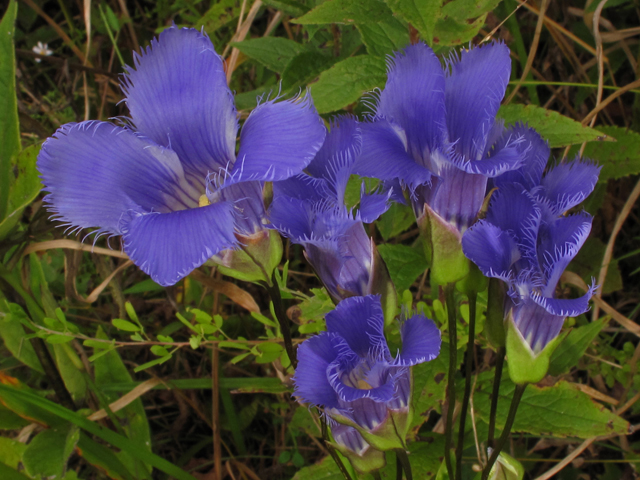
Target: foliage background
(191,378)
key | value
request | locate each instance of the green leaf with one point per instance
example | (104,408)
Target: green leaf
(57,339)
(109,369)
(323,470)
(618,159)
(25,187)
(346,81)
(157,361)
(48,452)
(346,11)
(559,411)
(125,325)
(272,52)
(405,264)
(572,347)
(305,67)
(288,7)
(395,221)
(8,473)
(219,15)
(384,37)
(557,129)
(147,285)
(118,441)
(71,370)
(9,125)
(422,14)
(13,334)
(159,350)
(587,265)
(101,457)
(429,385)
(11,452)
(10,421)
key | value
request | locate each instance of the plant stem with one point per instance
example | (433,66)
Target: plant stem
(376,475)
(495,394)
(398,468)
(332,452)
(517,395)
(451,383)
(274,293)
(467,382)
(403,460)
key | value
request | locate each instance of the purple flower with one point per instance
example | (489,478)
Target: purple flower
(349,371)
(527,241)
(310,210)
(434,129)
(173,187)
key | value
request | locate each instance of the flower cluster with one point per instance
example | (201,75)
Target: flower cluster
(310,210)
(173,187)
(527,240)
(350,372)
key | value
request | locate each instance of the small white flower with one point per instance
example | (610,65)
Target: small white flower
(42,49)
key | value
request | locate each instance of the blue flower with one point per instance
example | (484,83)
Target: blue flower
(173,187)
(527,241)
(310,210)
(434,129)
(349,371)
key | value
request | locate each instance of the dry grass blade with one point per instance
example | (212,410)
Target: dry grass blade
(609,99)
(231,290)
(126,399)
(93,296)
(72,245)
(240,35)
(567,460)
(595,394)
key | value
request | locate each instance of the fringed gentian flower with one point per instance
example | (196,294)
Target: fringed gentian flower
(173,187)
(349,372)
(527,241)
(310,210)
(433,131)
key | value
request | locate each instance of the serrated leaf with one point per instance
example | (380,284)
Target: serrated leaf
(448,31)
(559,411)
(305,67)
(9,126)
(463,10)
(48,452)
(125,325)
(618,159)
(422,14)
(384,37)
(405,264)
(346,11)
(429,385)
(395,220)
(557,129)
(219,15)
(346,81)
(272,52)
(572,347)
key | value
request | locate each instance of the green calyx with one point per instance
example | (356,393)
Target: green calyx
(367,461)
(506,468)
(256,259)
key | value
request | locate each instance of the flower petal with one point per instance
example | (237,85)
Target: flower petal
(311,381)
(420,341)
(558,244)
(302,187)
(474,90)
(98,173)
(384,155)
(343,379)
(373,205)
(568,184)
(368,413)
(565,307)
(355,246)
(535,151)
(537,326)
(413,98)
(492,249)
(278,140)
(291,217)
(168,246)
(350,438)
(178,96)
(246,197)
(360,321)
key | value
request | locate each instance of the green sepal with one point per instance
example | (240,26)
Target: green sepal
(474,282)
(380,284)
(506,468)
(371,459)
(443,246)
(526,366)
(494,325)
(256,259)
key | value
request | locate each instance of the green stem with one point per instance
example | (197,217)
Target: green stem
(274,293)
(376,475)
(403,459)
(451,381)
(467,382)
(513,409)
(495,394)
(398,468)
(332,452)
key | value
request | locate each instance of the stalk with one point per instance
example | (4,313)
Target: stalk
(451,384)
(403,460)
(274,293)
(494,395)
(467,382)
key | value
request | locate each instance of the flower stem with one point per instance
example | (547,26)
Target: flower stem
(274,293)
(495,394)
(376,475)
(332,452)
(451,383)
(515,401)
(467,382)
(403,460)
